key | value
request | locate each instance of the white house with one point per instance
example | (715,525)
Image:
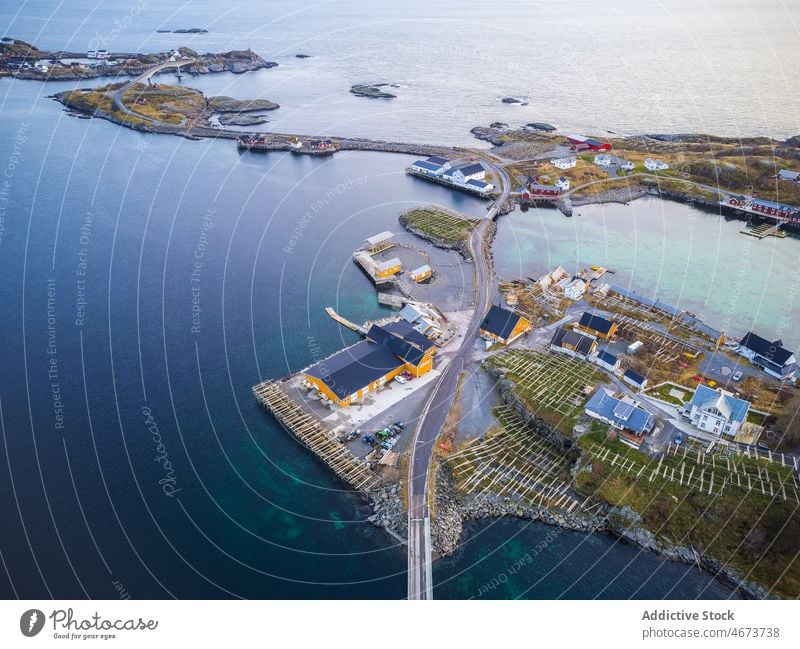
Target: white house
(602,160)
(563,183)
(772,357)
(480,186)
(426,167)
(655,165)
(635,379)
(565,163)
(575,289)
(607,361)
(716,411)
(627,165)
(465,172)
(791,176)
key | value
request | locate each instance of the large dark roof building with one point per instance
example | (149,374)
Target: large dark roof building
(569,340)
(772,356)
(503,325)
(596,324)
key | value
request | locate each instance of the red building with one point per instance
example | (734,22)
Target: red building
(534,191)
(581,143)
(768,208)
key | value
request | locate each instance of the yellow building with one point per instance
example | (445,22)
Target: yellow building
(573,343)
(596,326)
(388,351)
(503,326)
(384,269)
(421,274)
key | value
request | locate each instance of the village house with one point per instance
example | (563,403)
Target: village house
(596,326)
(565,163)
(716,411)
(771,208)
(771,357)
(465,172)
(563,183)
(421,274)
(480,186)
(791,176)
(422,318)
(655,165)
(602,160)
(627,165)
(378,242)
(607,361)
(581,143)
(426,167)
(624,415)
(572,343)
(576,288)
(350,374)
(388,268)
(634,379)
(503,326)
(535,190)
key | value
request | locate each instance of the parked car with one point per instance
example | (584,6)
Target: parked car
(399,379)
(399,424)
(678,439)
(369,439)
(737,376)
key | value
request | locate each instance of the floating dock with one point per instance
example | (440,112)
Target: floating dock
(316,437)
(765,230)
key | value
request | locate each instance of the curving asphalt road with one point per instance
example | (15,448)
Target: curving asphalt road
(420,585)
(117,96)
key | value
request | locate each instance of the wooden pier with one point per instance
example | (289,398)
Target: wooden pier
(344,321)
(765,230)
(310,431)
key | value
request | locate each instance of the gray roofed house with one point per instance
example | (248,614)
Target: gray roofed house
(716,411)
(621,414)
(791,176)
(572,342)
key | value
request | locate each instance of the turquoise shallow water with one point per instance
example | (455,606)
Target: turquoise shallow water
(689,258)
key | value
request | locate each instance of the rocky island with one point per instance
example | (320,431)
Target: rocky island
(164,105)
(25,61)
(373,92)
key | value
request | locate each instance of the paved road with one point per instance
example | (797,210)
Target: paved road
(432,419)
(142,77)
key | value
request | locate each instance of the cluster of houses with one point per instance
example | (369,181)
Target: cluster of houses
(572,287)
(463,174)
(763,207)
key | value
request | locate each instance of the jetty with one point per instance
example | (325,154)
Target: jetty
(344,321)
(318,439)
(765,230)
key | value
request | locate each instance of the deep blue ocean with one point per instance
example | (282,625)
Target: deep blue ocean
(150,281)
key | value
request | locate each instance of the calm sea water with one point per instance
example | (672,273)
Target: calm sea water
(721,66)
(150,281)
